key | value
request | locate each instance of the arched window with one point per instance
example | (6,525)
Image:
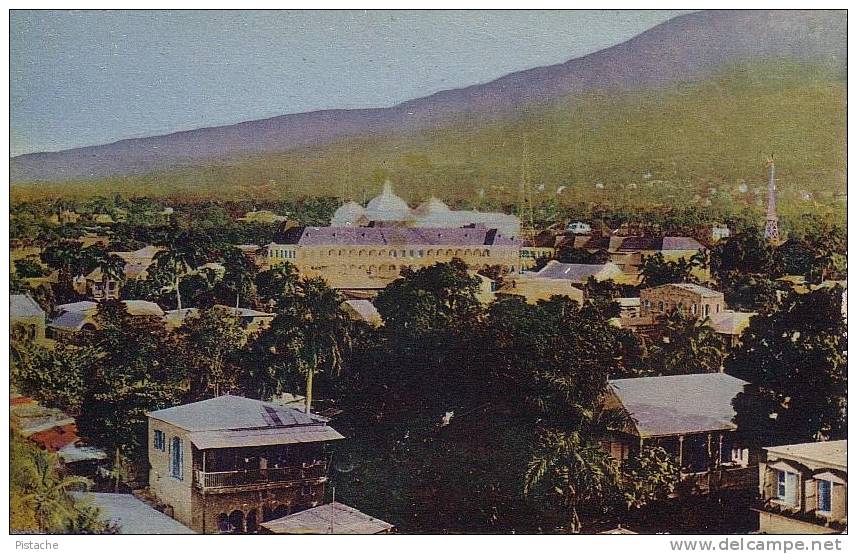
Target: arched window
(661,306)
(693,308)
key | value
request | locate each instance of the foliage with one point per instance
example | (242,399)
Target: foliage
(688,345)
(211,344)
(29,268)
(651,475)
(572,255)
(750,292)
(40,499)
(54,376)
(655,270)
(795,358)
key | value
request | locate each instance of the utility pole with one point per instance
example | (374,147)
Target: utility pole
(772,230)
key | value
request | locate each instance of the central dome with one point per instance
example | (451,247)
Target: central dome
(387,206)
(432,206)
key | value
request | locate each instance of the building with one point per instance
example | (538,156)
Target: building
(78,316)
(372,257)
(329,519)
(694,301)
(229,463)
(129,515)
(577,274)
(628,252)
(97,286)
(26,318)
(558,279)
(691,416)
(363,310)
(720,232)
(804,488)
(388,208)
(251,320)
(262,216)
(579,228)
(534,289)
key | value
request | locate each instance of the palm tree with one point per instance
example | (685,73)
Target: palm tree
(183,252)
(690,345)
(573,471)
(49,493)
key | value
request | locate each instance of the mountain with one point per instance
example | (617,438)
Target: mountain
(686,49)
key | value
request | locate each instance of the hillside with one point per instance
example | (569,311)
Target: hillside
(687,49)
(673,143)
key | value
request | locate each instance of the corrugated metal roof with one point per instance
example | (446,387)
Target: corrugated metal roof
(731,323)
(705,292)
(79,307)
(245,438)
(365,309)
(22,305)
(69,320)
(333,518)
(679,404)
(133,516)
(232,413)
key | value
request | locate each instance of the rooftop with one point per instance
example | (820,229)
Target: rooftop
(393,236)
(576,273)
(22,305)
(132,516)
(679,404)
(834,453)
(333,518)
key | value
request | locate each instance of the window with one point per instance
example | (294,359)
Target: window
(160,442)
(787,487)
(824,493)
(717,308)
(693,308)
(176,459)
(661,306)
(706,310)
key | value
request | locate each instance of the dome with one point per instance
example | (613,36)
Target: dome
(430,207)
(347,215)
(387,206)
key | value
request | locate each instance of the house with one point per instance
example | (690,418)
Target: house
(97,286)
(534,289)
(78,316)
(328,519)
(628,252)
(577,274)
(229,463)
(129,515)
(720,232)
(26,318)
(579,228)
(691,416)
(695,301)
(363,310)
(251,320)
(629,308)
(804,488)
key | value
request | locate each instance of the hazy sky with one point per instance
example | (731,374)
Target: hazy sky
(87,77)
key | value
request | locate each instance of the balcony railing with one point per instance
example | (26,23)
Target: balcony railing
(248,478)
(723,478)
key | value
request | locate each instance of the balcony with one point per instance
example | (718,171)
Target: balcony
(724,478)
(253,479)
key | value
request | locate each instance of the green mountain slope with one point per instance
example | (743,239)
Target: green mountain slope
(676,145)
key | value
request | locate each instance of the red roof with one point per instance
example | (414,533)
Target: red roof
(19,400)
(56,438)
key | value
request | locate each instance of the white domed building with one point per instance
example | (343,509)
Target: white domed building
(350,214)
(387,207)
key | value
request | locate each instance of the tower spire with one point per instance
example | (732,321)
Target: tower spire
(772,231)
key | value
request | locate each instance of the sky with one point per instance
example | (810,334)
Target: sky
(91,77)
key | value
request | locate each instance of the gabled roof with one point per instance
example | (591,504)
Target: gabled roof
(22,305)
(333,518)
(72,321)
(365,309)
(705,292)
(679,404)
(404,236)
(731,323)
(633,244)
(576,273)
(79,307)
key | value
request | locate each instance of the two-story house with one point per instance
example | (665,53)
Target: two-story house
(691,417)
(227,464)
(804,488)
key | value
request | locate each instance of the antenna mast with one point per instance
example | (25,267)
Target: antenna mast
(772,231)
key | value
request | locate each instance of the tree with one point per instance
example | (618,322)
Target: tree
(651,475)
(309,334)
(655,270)
(275,283)
(745,252)
(572,255)
(688,345)
(795,359)
(210,341)
(54,376)
(239,275)
(751,292)
(29,268)
(572,473)
(182,252)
